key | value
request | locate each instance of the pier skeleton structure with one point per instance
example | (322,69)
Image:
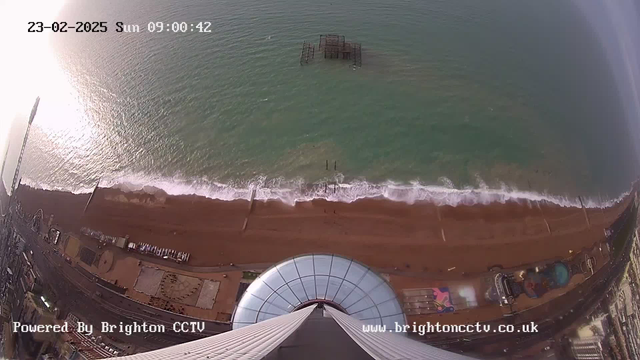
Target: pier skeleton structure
(307,53)
(333,46)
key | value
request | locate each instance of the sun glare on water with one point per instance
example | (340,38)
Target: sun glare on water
(30,69)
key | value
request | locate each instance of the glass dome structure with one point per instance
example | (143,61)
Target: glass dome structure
(342,283)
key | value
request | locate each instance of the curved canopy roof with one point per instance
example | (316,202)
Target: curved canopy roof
(344,283)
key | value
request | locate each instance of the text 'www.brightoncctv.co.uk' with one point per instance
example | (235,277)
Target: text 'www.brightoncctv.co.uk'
(432,328)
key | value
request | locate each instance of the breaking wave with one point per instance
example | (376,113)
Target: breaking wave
(336,189)
(45,186)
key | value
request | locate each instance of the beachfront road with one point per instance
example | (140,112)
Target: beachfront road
(554,317)
(78,293)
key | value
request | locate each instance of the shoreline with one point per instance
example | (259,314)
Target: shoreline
(384,234)
(294,191)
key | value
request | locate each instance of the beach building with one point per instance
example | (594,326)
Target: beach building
(344,284)
(37,311)
(312,307)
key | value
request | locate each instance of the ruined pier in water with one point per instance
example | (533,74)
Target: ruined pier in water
(333,46)
(307,53)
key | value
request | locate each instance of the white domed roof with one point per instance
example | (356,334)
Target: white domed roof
(343,283)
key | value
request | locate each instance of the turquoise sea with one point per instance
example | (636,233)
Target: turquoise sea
(501,96)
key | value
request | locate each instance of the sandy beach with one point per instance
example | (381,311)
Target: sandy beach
(384,234)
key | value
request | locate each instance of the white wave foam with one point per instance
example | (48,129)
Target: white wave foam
(44,186)
(295,190)
(447,182)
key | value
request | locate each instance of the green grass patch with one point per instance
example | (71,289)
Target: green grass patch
(250,275)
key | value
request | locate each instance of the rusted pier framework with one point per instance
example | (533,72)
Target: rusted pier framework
(307,53)
(333,47)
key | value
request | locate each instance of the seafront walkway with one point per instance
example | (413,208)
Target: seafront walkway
(75,292)
(416,258)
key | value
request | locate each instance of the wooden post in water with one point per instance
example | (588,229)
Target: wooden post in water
(335,165)
(327,164)
(251,200)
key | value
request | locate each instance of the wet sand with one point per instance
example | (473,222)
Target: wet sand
(383,234)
